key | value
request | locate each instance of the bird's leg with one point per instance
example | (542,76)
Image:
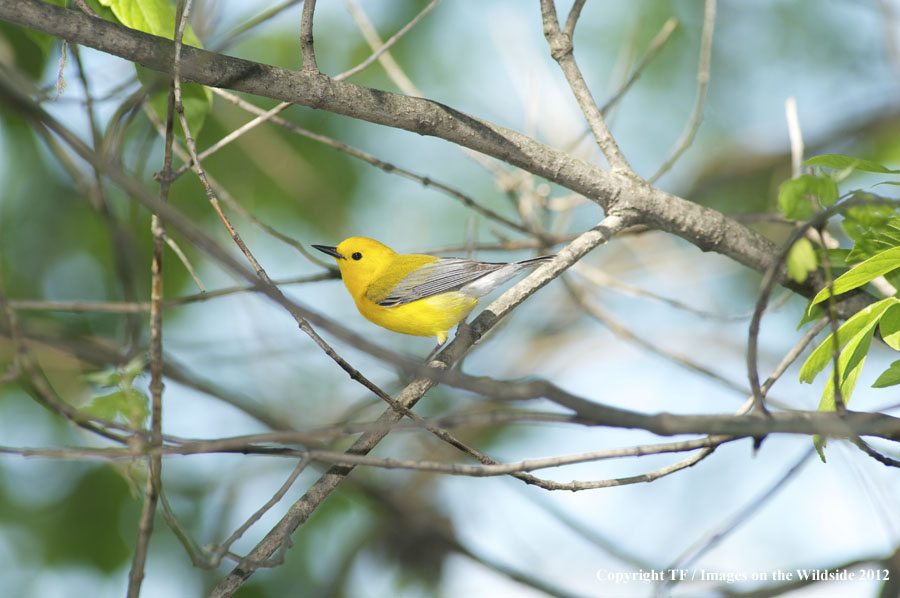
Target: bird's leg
(434,351)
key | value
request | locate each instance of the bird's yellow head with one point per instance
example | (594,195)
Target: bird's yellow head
(361,261)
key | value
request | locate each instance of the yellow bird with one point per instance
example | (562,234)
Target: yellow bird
(421,295)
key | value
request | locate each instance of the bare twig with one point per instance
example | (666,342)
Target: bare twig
(225,546)
(154,479)
(386,45)
(233,135)
(794,134)
(83,6)
(561,51)
(385,166)
(223,193)
(704,452)
(703,545)
(264,16)
(129,307)
(306,37)
(883,459)
(599,278)
(622,331)
(831,313)
(709,20)
(658,41)
(572,19)
(387,61)
(184,259)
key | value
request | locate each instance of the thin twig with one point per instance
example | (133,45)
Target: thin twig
(132,307)
(223,193)
(184,260)
(794,134)
(687,138)
(352,459)
(599,278)
(572,19)
(386,45)
(387,61)
(385,166)
(154,479)
(246,26)
(658,41)
(562,52)
(692,460)
(222,549)
(702,546)
(83,6)
(129,307)
(602,315)
(306,36)
(233,135)
(883,459)
(835,340)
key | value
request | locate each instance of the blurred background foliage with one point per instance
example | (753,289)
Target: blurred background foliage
(238,366)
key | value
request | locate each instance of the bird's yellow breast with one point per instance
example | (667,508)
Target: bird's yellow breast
(431,316)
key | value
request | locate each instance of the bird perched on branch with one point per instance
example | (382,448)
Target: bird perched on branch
(421,295)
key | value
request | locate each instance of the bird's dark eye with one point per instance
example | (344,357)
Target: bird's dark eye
(357,256)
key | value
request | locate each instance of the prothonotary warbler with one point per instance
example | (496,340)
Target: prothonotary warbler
(421,295)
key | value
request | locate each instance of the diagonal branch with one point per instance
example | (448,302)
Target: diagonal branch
(328,482)
(562,52)
(709,20)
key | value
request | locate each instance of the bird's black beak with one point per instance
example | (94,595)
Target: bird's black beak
(332,251)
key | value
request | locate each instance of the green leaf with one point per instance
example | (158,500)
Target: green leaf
(108,377)
(811,314)
(196,99)
(797,197)
(840,162)
(135,367)
(850,363)
(130,405)
(838,258)
(158,18)
(801,260)
(864,319)
(106,406)
(872,228)
(890,376)
(889,326)
(819,443)
(150,16)
(875,266)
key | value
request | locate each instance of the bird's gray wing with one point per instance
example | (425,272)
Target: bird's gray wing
(442,275)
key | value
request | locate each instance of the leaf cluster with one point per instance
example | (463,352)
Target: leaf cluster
(872,223)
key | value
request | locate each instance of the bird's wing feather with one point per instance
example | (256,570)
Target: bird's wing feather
(431,278)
